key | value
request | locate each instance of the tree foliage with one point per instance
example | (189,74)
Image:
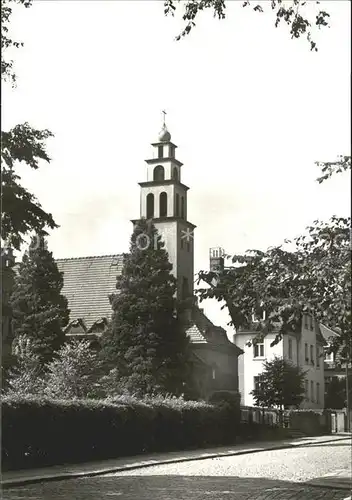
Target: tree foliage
(74,372)
(335,397)
(329,168)
(21,212)
(38,307)
(25,378)
(7,72)
(294,13)
(146,344)
(314,277)
(281,385)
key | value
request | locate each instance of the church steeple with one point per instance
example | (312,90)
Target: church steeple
(164,200)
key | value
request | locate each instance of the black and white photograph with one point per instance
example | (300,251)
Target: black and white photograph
(176,250)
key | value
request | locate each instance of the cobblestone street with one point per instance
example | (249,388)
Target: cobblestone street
(269,475)
(171,488)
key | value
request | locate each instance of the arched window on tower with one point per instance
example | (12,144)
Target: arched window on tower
(175,174)
(163,204)
(182,207)
(159,173)
(177,205)
(150,206)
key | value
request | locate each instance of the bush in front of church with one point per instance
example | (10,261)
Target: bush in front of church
(41,431)
(146,344)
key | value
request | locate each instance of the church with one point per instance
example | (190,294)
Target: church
(89,281)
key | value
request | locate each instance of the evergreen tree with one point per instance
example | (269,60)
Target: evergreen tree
(146,344)
(38,307)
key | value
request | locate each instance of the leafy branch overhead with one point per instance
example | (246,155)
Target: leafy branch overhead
(21,211)
(329,168)
(7,72)
(311,275)
(295,14)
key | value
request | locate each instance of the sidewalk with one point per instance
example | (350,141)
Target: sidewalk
(20,477)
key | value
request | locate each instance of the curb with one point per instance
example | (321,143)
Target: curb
(150,463)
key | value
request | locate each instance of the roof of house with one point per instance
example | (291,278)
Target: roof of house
(327,333)
(88,282)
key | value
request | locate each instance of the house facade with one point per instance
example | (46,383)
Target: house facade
(89,281)
(305,349)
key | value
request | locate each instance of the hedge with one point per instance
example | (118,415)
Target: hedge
(41,432)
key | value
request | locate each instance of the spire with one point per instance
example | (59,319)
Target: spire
(164,134)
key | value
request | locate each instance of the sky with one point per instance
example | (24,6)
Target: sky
(249,108)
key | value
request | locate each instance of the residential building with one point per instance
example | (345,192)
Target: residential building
(304,349)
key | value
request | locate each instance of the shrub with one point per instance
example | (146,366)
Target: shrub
(39,432)
(73,373)
(26,376)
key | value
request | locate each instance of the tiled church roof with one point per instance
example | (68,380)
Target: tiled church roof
(88,282)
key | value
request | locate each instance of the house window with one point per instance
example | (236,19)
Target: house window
(259,350)
(306,353)
(177,207)
(289,348)
(329,357)
(213,375)
(163,204)
(171,151)
(258,382)
(159,173)
(318,357)
(181,242)
(150,206)
(312,391)
(175,174)
(182,207)
(328,381)
(306,388)
(160,151)
(188,246)
(318,392)
(311,354)
(259,314)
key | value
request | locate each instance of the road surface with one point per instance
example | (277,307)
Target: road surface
(269,475)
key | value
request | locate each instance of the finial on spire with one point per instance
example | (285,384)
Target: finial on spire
(164,117)
(164,135)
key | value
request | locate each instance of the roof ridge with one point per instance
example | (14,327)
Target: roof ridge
(91,257)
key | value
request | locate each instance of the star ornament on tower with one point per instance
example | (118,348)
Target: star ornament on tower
(188,234)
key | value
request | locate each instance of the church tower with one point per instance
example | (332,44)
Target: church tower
(164,201)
